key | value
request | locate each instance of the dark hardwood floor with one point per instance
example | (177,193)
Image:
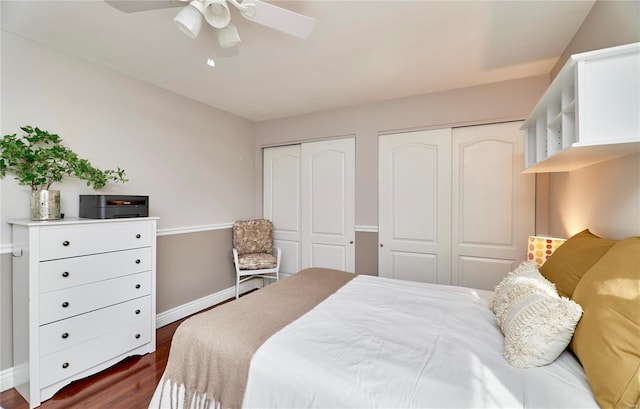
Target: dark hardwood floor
(129,384)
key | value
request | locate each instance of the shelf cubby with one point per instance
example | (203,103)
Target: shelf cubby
(588,114)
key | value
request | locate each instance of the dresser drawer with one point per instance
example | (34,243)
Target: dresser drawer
(65,273)
(68,362)
(67,333)
(64,241)
(61,304)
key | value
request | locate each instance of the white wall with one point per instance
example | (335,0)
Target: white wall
(605,198)
(501,101)
(194,161)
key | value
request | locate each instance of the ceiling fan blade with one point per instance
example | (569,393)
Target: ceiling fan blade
(278,18)
(134,6)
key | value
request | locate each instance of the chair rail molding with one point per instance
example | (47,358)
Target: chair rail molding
(366,229)
(193,229)
(6,248)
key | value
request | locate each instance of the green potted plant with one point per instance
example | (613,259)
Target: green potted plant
(38,159)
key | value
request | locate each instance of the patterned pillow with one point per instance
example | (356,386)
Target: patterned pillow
(253,236)
(537,323)
(256,261)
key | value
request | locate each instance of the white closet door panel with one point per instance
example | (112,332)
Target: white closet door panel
(414,206)
(414,210)
(414,266)
(281,202)
(328,256)
(328,204)
(486,188)
(492,203)
(478,272)
(289,264)
(327,194)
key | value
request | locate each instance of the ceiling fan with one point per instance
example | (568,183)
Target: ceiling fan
(216,13)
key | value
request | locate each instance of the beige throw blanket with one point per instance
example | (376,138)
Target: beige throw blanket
(211,352)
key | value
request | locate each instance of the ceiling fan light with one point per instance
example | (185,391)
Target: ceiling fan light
(228,37)
(216,12)
(189,19)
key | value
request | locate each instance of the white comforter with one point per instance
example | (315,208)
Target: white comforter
(395,344)
(388,343)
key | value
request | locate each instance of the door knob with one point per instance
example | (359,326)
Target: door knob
(351,242)
(381,245)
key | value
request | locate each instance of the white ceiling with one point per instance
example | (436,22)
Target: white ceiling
(360,52)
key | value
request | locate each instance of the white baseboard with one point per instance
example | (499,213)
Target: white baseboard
(7,376)
(205,302)
(6,379)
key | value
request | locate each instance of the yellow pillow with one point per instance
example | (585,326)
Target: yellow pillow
(570,261)
(607,338)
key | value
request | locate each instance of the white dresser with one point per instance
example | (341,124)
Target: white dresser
(83,299)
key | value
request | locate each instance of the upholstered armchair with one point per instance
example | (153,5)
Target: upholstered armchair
(253,252)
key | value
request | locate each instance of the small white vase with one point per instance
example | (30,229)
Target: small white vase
(45,204)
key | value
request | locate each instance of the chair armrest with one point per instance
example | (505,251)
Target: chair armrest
(235,256)
(278,253)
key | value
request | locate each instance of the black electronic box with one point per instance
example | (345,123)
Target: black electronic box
(113,206)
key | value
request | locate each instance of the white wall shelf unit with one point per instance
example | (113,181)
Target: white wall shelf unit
(590,113)
(83,299)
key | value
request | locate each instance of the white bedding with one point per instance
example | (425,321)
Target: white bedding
(387,343)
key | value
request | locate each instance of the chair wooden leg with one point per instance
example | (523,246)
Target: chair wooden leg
(237,286)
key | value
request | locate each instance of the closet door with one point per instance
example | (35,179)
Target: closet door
(328,204)
(281,202)
(415,206)
(492,203)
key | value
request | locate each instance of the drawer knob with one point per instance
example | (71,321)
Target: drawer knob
(138,236)
(65,335)
(65,365)
(137,336)
(65,274)
(138,261)
(65,304)
(137,312)
(66,243)
(137,286)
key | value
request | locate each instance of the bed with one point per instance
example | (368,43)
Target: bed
(326,338)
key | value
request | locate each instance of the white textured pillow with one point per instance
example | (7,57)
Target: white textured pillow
(524,270)
(536,322)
